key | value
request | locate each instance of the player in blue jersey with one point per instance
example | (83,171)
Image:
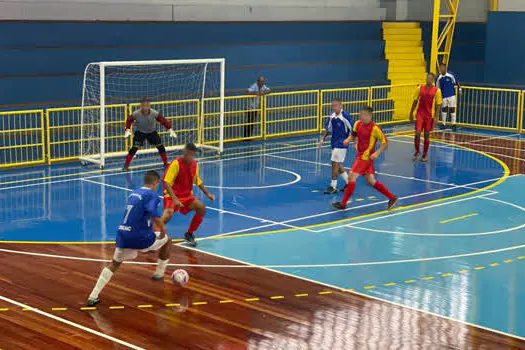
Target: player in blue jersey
(447,83)
(339,125)
(137,234)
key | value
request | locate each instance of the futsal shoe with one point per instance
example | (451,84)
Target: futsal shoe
(415,157)
(338,206)
(157,277)
(424,159)
(125,168)
(330,190)
(392,203)
(190,239)
(93,302)
(442,127)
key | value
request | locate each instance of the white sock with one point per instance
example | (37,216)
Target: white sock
(453,118)
(444,117)
(161,267)
(345,177)
(333,184)
(103,279)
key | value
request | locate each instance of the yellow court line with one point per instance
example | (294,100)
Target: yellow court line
(458,218)
(506,172)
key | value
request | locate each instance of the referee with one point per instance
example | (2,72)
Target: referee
(144,119)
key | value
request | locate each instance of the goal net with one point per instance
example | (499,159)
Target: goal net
(188,93)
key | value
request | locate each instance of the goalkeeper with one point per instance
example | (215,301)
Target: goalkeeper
(144,119)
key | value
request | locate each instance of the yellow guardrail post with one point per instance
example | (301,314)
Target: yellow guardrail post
(262,112)
(320,110)
(48,139)
(521,111)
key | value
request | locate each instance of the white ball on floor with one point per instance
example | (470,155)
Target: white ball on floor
(180,277)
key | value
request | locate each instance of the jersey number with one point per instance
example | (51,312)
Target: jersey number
(128,210)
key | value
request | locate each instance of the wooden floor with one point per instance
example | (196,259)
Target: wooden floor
(222,308)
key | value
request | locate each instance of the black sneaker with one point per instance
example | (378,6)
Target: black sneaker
(93,302)
(442,127)
(330,190)
(157,277)
(392,203)
(125,168)
(190,239)
(338,206)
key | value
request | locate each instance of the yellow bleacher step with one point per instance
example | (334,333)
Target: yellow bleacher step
(402,31)
(406,69)
(407,63)
(402,37)
(401,43)
(400,25)
(406,76)
(404,49)
(407,82)
(404,56)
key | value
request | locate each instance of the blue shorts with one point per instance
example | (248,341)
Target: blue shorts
(135,239)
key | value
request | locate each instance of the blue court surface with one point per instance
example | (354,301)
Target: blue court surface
(455,245)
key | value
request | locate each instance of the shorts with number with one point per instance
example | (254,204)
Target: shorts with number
(363,167)
(153,138)
(424,123)
(449,102)
(122,254)
(186,203)
(339,155)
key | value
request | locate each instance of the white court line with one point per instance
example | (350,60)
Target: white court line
(484,233)
(511,136)
(119,172)
(360,294)
(384,174)
(70,323)
(391,214)
(296,180)
(211,208)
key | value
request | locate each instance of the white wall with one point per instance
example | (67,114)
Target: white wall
(512,5)
(188,10)
(469,10)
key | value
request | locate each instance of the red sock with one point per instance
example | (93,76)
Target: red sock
(164,157)
(195,222)
(128,159)
(382,188)
(417,141)
(426,147)
(350,187)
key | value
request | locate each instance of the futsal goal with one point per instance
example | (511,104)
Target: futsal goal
(189,93)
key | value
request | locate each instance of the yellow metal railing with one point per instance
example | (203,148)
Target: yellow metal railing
(490,108)
(293,112)
(22,138)
(34,136)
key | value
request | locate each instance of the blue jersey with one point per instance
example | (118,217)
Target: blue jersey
(135,230)
(340,126)
(447,84)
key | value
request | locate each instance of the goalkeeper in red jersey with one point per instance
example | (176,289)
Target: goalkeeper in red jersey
(367,133)
(177,182)
(427,99)
(144,120)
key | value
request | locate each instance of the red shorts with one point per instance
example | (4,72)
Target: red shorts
(363,167)
(424,123)
(186,202)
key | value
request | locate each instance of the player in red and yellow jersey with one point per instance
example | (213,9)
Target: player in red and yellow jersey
(428,100)
(367,133)
(177,184)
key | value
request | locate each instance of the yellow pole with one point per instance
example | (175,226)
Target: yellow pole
(435,36)
(494,5)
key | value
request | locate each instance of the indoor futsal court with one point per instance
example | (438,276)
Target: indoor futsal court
(276,267)
(277,175)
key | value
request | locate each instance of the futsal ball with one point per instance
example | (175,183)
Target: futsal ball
(180,277)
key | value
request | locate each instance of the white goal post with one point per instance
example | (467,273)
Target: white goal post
(189,93)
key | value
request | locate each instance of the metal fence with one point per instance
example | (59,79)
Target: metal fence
(36,136)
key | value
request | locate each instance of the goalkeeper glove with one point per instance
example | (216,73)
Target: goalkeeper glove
(173,133)
(127,133)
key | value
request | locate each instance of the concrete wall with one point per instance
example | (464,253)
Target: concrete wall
(511,5)
(469,10)
(192,10)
